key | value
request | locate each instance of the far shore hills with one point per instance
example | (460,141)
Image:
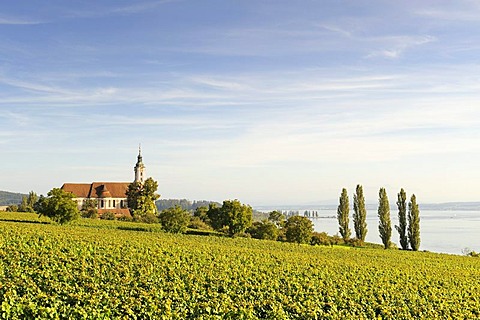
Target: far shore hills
(9,198)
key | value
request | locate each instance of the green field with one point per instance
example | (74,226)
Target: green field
(110,269)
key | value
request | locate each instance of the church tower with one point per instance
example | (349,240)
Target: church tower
(139,167)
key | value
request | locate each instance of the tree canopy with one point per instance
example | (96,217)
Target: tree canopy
(298,229)
(413,224)
(342,215)
(28,202)
(277,217)
(141,199)
(263,230)
(89,209)
(385,224)
(359,214)
(174,220)
(58,206)
(232,214)
(402,219)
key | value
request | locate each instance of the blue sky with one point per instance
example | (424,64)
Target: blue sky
(270,102)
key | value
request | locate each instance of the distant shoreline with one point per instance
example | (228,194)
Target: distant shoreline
(450,206)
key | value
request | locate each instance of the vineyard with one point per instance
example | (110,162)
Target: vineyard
(111,269)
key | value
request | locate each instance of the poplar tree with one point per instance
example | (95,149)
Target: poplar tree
(342,215)
(385,225)
(359,214)
(413,224)
(402,218)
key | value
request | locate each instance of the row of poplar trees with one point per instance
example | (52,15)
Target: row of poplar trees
(409,233)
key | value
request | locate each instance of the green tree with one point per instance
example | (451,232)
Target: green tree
(298,229)
(359,214)
(385,224)
(89,209)
(202,214)
(402,218)
(28,202)
(174,220)
(265,229)
(320,238)
(58,206)
(232,214)
(238,216)
(215,217)
(277,217)
(413,224)
(342,215)
(141,199)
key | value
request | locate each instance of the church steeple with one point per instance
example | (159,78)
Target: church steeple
(139,167)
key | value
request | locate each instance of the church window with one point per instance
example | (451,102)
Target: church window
(114,204)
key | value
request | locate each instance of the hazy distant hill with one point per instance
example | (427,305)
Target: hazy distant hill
(8,198)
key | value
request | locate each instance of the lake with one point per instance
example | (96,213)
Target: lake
(440,231)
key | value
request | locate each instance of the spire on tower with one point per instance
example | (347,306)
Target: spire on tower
(139,153)
(139,167)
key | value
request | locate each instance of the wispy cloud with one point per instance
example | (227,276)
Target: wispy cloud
(142,6)
(469,13)
(5,20)
(397,46)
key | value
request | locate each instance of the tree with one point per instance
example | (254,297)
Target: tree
(141,199)
(215,217)
(202,214)
(265,229)
(402,219)
(238,216)
(385,225)
(277,217)
(174,220)
(320,238)
(359,214)
(89,209)
(232,214)
(28,202)
(298,229)
(413,224)
(58,206)
(342,215)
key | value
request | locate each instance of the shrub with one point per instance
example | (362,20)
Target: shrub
(320,238)
(12,208)
(125,218)
(197,223)
(108,216)
(263,230)
(298,229)
(174,220)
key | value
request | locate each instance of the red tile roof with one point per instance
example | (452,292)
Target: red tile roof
(97,189)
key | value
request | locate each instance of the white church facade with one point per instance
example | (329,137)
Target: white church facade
(110,196)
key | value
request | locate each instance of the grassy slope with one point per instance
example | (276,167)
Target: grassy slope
(92,270)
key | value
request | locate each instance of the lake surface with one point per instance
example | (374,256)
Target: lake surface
(440,231)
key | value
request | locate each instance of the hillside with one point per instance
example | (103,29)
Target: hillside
(94,270)
(8,198)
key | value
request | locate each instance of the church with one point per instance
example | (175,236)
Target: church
(110,196)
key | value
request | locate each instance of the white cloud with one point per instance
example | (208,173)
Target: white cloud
(142,6)
(398,45)
(4,20)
